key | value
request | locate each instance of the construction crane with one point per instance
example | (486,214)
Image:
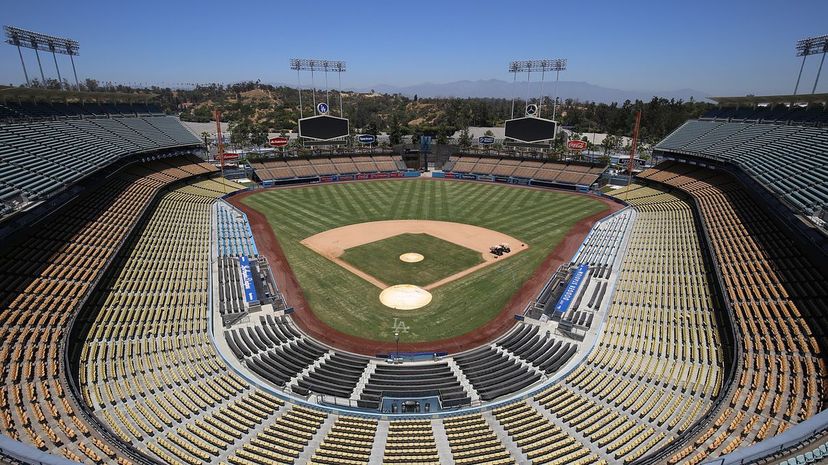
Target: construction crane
(631,164)
(219,142)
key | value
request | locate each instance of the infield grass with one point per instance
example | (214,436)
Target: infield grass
(381,259)
(346,302)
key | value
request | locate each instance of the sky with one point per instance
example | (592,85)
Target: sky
(724,47)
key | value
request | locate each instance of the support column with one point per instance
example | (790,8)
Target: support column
(39,65)
(813,91)
(74,71)
(800,73)
(60,79)
(22,63)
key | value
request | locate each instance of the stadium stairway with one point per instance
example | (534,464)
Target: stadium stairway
(441,442)
(363,380)
(470,390)
(511,446)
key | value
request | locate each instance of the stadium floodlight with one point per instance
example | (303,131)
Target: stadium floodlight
(325,66)
(533,66)
(811,46)
(47,43)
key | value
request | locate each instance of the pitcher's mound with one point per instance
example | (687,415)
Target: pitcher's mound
(411,257)
(405,297)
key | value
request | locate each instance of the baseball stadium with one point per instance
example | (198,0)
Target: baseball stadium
(335,301)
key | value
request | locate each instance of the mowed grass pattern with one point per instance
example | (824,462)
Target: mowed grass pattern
(381,259)
(350,304)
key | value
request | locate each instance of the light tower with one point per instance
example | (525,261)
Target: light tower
(37,41)
(811,46)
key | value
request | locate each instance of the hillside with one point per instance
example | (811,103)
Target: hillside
(261,108)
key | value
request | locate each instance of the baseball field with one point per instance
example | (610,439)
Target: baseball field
(341,299)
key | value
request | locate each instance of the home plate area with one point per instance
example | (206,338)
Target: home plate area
(408,258)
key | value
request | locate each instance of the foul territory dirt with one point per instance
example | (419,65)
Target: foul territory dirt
(269,246)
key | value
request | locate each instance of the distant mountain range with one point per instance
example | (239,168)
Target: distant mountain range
(496,88)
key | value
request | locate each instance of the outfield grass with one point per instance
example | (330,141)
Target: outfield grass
(350,304)
(381,259)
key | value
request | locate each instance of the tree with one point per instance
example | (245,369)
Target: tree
(609,143)
(240,133)
(464,140)
(258,135)
(395,135)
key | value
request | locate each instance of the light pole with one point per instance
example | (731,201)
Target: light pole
(397,338)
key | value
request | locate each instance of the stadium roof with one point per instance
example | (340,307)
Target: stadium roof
(759,99)
(56,95)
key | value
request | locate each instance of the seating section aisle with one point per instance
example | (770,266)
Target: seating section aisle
(324,166)
(41,157)
(282,441)
(778,299)
(790,161)
(550,171)
(42,280)
(658,365)
(542,441)
(472,441)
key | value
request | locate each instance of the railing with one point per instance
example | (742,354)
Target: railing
(793,438)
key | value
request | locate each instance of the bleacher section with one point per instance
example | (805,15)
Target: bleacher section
(657,366)
(151,372)
(778,299)
(411,442)
(39,158)
(43,278)
(309,168)
(546,171)
(234,236)
(349,441)
(29,111)
(814,114)
(410,380)
(789,161)
(540,440)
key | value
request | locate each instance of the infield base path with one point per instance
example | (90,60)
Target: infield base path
(269,246)
(332,243)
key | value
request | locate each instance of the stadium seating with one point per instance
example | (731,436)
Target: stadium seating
(41,157)
(324,166)
(472,441)
(43,279)
(540,440)
(657,366)
(349,441)
(790,161)
(410,380)
(411,442)
(549,171)
(780,114)
(151,369)
(31,111)
(775,293)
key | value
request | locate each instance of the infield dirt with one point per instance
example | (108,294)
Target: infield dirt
(304,316)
